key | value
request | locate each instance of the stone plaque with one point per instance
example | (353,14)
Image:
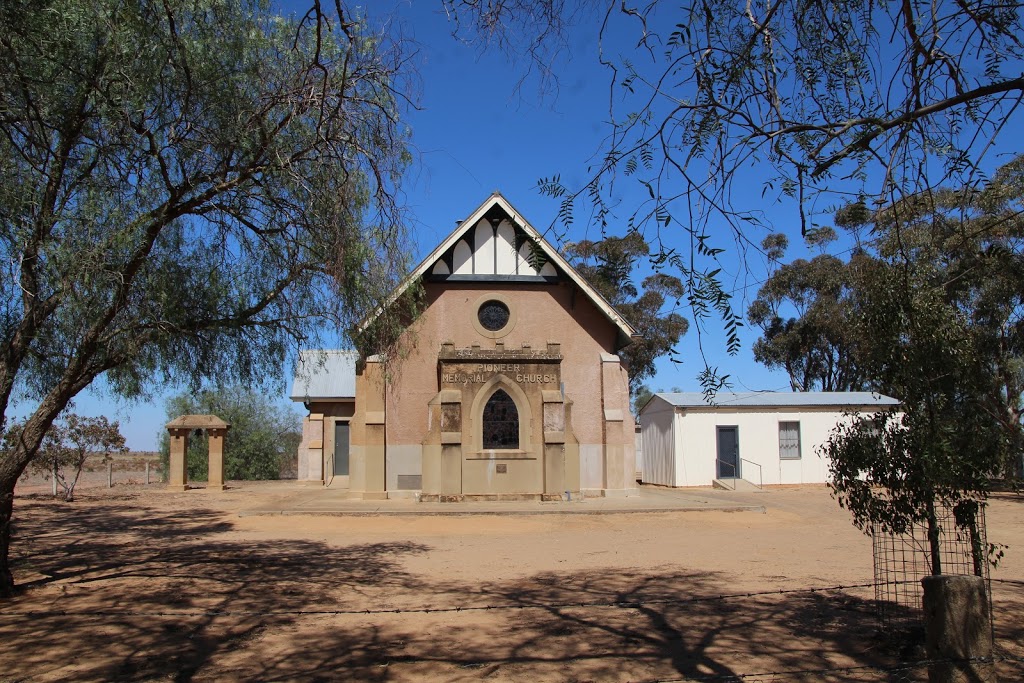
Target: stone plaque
(526,374)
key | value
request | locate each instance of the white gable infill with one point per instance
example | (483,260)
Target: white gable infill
(477,250)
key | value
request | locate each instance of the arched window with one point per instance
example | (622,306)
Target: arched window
(501,422)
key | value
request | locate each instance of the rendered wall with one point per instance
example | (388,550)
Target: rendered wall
(601,448)
(758,444)
(318,436)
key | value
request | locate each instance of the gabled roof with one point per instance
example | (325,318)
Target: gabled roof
(496,200)
(773,399)
(198,422)
(322,375)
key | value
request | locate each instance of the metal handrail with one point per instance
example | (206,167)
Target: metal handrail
(760,474)
(735,471)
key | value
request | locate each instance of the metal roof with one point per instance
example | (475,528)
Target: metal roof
(325,374)
(766,399)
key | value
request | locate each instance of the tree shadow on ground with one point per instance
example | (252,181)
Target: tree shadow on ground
(119,591)
(626,626)
(114,591)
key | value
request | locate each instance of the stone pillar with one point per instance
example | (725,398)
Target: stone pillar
(957,627)
(555,486)
(177,476)
(442,447)
(619,456)
(215,479)
(368,476)
(311,449)
(452,425)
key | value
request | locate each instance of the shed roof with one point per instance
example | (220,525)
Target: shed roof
(325,374)
(789,399)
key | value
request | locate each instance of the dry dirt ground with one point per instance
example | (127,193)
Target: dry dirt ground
(136,583)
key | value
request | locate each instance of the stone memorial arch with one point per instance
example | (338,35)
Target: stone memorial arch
(180,429)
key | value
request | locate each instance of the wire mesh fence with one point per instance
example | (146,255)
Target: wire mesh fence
(902,560)
(885,659)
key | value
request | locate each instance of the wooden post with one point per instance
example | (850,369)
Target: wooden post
(958,632)
(53,480)
(147,473)
(110,475)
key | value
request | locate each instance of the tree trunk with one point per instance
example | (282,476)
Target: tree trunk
(933,539)
(12,464)
(6,511)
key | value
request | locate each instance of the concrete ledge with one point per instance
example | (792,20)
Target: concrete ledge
(322,501)
(554,437)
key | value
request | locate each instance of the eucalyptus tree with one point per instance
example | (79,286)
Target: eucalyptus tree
(804,312)
(940,323)
(608,265)
(187,187)
(719,109)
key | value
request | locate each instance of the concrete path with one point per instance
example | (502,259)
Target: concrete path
(309,500)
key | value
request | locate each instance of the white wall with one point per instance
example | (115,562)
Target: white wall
(759,443)
(692,437)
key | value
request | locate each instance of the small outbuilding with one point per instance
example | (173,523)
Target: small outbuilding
(760,437)
(325,384)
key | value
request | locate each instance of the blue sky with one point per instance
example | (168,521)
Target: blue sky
(475,133)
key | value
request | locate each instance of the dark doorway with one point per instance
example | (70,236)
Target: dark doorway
(341,449)
(728,452)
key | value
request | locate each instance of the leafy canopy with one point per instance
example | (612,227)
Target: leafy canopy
(804,312)
(608,265)
(938,314)
(187,189)
(262,442)
(719,109)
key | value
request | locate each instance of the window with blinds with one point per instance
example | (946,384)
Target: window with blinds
(789,440)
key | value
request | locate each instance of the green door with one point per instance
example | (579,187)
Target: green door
(341,449)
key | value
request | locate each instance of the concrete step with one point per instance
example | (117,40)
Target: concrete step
(734,484)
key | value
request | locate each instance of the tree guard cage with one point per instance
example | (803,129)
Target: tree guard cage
(902,560)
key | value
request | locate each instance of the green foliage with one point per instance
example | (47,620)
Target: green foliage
(263,439)
(816,345)
(938,313)
(641,396)
(722,108)
(608,266)
(187,189)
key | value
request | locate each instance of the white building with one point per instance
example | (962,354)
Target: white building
(762,437)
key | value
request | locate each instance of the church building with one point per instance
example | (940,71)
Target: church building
(509,385)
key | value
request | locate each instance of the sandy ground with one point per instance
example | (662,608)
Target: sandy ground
(136,583)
